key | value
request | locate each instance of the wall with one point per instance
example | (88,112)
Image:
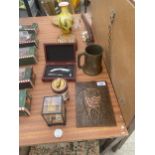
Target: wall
(119,57)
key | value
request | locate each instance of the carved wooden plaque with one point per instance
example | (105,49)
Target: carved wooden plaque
(93,105)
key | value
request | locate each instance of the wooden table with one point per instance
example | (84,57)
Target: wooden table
(33,129)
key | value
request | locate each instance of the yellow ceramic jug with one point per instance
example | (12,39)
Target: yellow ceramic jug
(65,18)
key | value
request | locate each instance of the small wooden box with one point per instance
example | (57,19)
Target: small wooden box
(28,55)
(53,110)
(28,38)
(60,61)
(31,28)
(26,77)
(24,102)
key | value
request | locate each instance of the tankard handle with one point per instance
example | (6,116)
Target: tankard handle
(79,57)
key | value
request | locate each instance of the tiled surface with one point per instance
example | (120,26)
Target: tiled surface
(127,149)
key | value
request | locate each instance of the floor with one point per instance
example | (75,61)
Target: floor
(127,149)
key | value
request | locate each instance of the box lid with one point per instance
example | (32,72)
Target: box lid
(25,73)
(52,104)
(27,52)
(33,27)
(24,101)
(60,53)
(28,38)
(22,97)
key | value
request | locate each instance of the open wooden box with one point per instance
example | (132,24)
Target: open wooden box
(60,61)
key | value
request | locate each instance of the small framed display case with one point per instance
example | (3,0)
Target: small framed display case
(26,77)
(31,28)
(60,61)
(28,38)
(24,102)
(53,111)
(28,55)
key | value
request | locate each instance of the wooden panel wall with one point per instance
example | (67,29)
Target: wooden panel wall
(120,57)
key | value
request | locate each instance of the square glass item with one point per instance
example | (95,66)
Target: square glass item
(53,110)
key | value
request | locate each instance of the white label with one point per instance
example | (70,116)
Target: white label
(58,133)
(101,83)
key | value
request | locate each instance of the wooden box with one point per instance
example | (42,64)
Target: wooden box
(24,102)
(28,55)
(28,38)
(31,28)
(26,77)
(60,61)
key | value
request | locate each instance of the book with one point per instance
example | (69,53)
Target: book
(93,105)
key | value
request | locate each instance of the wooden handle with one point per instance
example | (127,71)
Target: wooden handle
(79,57)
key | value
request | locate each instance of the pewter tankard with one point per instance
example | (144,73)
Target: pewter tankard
(92,59)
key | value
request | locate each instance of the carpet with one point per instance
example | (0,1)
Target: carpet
(72,148)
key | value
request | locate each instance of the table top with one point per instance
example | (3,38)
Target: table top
(33,130)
